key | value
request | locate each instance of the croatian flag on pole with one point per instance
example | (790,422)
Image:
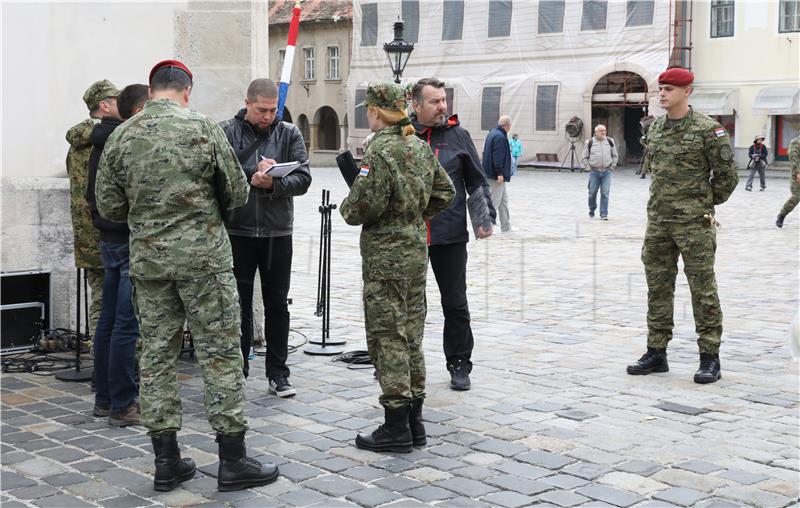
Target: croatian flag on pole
(286,72)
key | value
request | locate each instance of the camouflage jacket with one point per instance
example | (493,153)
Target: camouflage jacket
(794,157)
(165,171)
(401,185)
(692,168)
(87,238)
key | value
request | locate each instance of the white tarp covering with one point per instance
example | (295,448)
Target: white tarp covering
(778,100)
(715,102)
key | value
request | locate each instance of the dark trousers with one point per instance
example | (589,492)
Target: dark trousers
(760,167)
(273,259)
(449,264)
(117,332)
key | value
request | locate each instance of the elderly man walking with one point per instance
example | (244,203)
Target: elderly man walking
(599,158)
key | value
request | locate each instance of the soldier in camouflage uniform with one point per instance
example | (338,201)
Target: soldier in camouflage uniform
(101,99)
(168,172)
(794,181)
(401,184)
(690,160)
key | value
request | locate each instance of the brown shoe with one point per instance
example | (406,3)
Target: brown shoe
(125,418)
(101,410)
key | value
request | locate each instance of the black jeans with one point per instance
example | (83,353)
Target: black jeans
(449,264)
(273,259)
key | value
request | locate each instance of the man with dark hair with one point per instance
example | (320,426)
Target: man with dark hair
(448,236)
(117,329)
(101,99)
(261,231)
(170,173)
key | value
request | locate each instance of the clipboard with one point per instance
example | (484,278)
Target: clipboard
(282,169)
(347,166)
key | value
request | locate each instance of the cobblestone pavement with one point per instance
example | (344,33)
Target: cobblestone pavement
(552,418)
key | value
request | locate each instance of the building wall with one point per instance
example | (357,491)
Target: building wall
(756,56)
(306,97)
(574,59)
(69,46)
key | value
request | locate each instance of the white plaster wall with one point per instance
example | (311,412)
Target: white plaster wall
(52,52)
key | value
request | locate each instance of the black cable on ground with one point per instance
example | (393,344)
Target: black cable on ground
(43,359)
(292,348)
(357,359)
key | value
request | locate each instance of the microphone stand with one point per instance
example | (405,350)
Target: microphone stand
(78,374)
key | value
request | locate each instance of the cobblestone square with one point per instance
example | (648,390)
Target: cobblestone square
(552,419)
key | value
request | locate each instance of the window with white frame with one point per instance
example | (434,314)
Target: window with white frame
(593,16)
(640,13)
(722,18)
(551,16)
(333,63)
(500,18)
(452,20)
(490,107)
(789,16)
(546,107)
(308,64)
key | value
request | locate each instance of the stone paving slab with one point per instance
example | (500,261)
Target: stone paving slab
(558,310)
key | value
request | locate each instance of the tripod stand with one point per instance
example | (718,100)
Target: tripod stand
(572,157)
(325,346)
(87,373)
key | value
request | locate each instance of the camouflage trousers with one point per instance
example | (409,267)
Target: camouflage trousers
(210,305)
(793,199)
(94,277)
(394,317)
(696,244)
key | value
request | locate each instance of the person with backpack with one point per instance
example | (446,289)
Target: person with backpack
(599,158)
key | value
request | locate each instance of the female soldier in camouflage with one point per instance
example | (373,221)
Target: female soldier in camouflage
(400,186)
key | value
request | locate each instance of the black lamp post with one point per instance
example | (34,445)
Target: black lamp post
(398,51)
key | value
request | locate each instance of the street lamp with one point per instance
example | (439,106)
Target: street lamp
(398,51)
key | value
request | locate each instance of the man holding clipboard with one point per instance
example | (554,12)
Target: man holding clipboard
(261,231)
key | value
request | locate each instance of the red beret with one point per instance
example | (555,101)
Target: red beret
(169,63)
(676,76)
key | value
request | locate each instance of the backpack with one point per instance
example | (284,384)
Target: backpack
(610,142)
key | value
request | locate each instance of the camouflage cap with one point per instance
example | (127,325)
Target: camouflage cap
(98,91)
(385,95)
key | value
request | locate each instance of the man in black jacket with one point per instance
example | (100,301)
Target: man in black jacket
(497,167)
(117,329)
(447,232)
(261,231)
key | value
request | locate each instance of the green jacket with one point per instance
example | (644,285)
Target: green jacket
(794,158)
(87,238)
(165,171)
(400,186)
(692,168)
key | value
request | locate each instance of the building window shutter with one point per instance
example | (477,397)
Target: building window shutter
(499,18)
(594,15)
(490,107)
(640,13)
(453,20)
(551,16)
(546,107)
(360,113)
(369,24)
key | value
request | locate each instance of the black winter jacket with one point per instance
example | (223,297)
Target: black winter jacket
(268,213)
(110,231)
(453,146)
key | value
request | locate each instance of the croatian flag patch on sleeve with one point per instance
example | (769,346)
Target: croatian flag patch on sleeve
(720,132)
(364,170)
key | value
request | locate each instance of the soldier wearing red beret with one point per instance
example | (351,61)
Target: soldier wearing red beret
(690,159)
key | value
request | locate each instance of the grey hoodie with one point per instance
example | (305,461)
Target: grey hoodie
(603,156)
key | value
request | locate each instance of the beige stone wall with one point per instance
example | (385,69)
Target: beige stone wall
(306,97)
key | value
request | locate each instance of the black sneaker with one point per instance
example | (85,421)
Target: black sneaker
(591,213)
(748,189)
(459,378)
(281,387)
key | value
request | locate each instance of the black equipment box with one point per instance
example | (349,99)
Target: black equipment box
(25,309)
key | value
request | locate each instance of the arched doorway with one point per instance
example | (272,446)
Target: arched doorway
(327,122)
(302,124)
(619,101)
(287,117)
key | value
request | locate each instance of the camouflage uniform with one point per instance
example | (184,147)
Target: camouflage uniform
(692,169)
(166,172)
(794,159)
(86,237)
(401,184)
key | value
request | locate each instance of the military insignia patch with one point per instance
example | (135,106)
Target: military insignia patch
(364,170)
(726,153)
(720,132)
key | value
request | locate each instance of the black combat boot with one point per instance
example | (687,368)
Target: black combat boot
(709,370)
(171,469)
(237,471)
(415,423)
(459,375)
(654,360)
(779,220)
(392,436)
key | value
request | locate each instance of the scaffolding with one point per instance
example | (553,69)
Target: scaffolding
(680,40)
